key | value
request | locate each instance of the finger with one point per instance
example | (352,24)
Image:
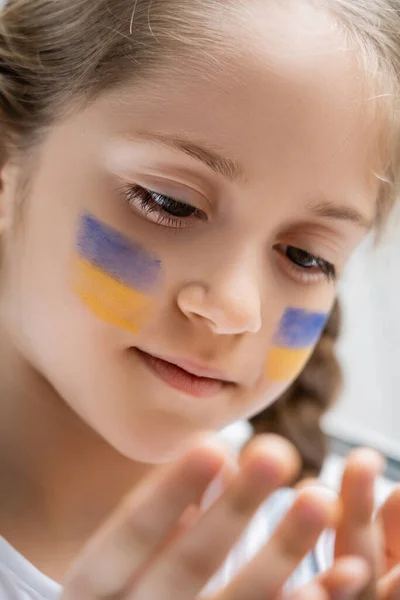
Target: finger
(310,591)
(133,533)
(357,492)
(389,585)
(220,483)
(268,462)
(214,491)
(296,535)
(357,532)
(389,515)
(346,578)
(308,482)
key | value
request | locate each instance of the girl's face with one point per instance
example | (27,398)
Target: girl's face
(200,217)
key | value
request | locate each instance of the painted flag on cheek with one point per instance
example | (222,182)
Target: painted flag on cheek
(113,276)
(293,343)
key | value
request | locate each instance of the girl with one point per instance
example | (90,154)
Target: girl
(183,182)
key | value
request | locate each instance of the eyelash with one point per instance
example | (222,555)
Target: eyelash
(159,205)
(162,207)
(306,267)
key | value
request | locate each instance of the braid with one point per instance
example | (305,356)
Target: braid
(296,415)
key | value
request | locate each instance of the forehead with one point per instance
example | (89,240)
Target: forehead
(279,89)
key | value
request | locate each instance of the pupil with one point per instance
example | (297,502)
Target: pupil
(300,257)
(176,209)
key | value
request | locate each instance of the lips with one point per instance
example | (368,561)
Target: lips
(184,375)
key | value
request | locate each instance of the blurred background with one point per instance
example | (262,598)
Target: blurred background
(368,407)
(349,393)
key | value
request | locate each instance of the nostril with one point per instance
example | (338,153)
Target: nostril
(224,311)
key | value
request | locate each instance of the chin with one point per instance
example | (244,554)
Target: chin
(151,444)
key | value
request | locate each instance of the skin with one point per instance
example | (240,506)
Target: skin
(90,406)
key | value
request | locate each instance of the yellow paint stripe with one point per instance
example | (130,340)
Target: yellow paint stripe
(108,299)
(286,363)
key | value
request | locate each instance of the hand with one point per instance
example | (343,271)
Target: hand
(150,550)
(377,540)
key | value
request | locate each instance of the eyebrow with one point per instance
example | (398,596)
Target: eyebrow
(232,171)
(227,167)
(329,210)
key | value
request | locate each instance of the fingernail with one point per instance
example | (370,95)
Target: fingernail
(213,492)
(320,491)
(361,577)
(376,458)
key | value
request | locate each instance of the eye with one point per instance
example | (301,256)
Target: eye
(305,266)
(162,209)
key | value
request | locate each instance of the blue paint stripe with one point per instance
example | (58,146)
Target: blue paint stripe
(117,255)
(300,328)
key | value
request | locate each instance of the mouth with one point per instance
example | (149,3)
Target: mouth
(185,376)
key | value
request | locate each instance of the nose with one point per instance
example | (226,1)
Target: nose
(228,305)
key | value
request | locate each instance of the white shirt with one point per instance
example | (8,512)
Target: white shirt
(20,580)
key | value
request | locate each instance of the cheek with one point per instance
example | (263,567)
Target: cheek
(114,277)
(293,343)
